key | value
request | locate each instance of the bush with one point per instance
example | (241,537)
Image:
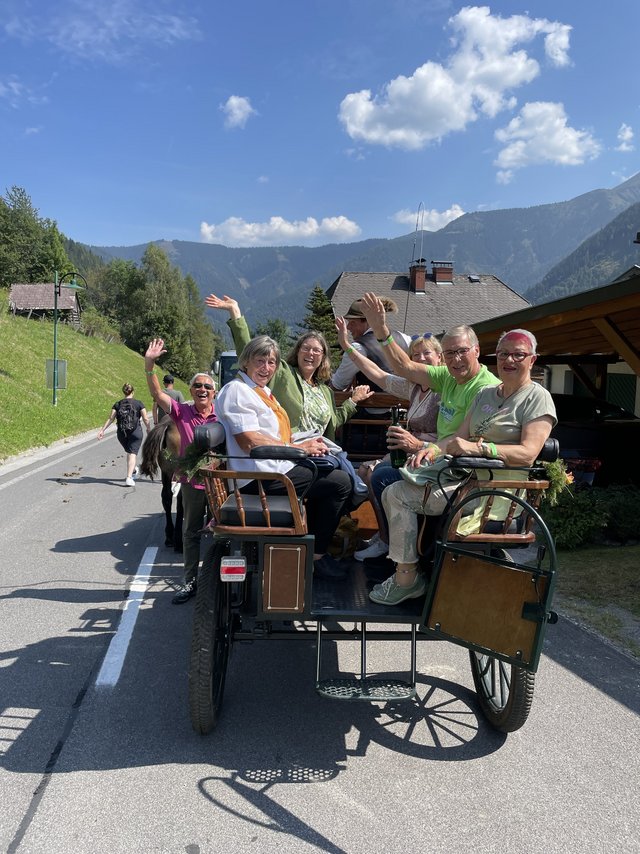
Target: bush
(577,519)
(95,325)
(594,514)
(622,503)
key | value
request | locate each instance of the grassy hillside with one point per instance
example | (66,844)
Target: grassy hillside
(95,374)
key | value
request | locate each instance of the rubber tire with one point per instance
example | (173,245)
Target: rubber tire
(509,708)
(210,642)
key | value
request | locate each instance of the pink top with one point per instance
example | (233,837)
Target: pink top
(186,417)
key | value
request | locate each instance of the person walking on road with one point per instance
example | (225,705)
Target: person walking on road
(127,413)
(167,382)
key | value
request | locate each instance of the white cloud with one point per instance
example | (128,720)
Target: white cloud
(432,220)
(540,134)
(16,93)
(32,131)
(486,64)
(625,138)
(237,111)
(235,231)
(109,30)
(263,179)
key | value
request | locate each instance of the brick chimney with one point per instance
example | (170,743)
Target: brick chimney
(417,274)
(442,272)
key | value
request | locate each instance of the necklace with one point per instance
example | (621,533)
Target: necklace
(500,392)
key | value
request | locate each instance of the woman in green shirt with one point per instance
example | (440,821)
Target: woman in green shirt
(300,383)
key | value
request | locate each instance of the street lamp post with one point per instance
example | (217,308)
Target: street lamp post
(57,286)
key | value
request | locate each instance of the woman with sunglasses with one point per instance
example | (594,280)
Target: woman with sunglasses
(422,415)
(186,416)
(300,380)
(509,421)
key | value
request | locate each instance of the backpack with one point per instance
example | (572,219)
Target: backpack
(127,416)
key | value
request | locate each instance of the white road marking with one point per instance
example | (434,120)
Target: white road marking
(116,654)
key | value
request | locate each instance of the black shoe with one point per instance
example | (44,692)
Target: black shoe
(185,593)
(378,568)
(328,567)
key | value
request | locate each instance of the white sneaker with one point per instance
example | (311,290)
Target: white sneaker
(129,481)
(175,488)
(136,473)
(375,549)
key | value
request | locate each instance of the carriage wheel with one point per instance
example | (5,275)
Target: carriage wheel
(505,691)
(211,641)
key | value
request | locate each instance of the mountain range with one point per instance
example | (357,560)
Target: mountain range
(542,252)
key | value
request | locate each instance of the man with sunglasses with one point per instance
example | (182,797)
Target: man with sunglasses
(186,416)
(457,382)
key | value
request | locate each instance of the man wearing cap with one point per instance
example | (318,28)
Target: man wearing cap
(364,341)
(167,381)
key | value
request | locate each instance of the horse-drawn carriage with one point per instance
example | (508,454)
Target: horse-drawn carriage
(489,590)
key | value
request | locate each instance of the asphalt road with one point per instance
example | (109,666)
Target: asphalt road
(115,766)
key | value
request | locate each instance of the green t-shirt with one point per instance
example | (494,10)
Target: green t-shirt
(456,399)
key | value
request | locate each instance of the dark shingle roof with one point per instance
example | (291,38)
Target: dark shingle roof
(40,297)
(442,305)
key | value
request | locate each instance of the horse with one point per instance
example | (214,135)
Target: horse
(159,450)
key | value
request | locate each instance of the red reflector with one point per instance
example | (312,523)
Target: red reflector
(233,569)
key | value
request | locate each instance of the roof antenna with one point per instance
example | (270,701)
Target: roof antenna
(420,221)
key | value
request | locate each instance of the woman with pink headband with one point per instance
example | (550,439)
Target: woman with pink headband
(509,421)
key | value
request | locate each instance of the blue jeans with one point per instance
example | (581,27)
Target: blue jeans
(382,476)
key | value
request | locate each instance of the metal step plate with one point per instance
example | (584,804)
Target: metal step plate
(366,689)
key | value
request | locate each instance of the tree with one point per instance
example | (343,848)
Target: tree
(205,344)
(278,330)
(320,318)
(31,248)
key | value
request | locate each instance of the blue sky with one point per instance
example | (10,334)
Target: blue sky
(302,123)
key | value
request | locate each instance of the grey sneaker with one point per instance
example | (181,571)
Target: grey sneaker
(376,548)
(390,593)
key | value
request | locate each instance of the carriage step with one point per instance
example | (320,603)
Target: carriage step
(366,689)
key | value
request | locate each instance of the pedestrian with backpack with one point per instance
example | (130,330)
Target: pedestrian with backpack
(127,413)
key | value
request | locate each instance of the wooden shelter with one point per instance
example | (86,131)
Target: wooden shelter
(588,331)
(39,300)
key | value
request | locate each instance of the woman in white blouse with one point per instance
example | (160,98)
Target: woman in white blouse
(252,416)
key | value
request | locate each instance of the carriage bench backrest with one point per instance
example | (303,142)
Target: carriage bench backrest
(514,527)
(237,512)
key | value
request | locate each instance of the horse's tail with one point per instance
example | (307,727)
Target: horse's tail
(153,448)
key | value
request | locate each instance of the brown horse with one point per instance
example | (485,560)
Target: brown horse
(159,450)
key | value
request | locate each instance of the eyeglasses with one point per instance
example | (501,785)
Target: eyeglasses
(426,335)
(451,354)
(518,356)
(208,386)
(315,351)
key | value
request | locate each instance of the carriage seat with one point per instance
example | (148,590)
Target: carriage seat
(240,512)
(280,512)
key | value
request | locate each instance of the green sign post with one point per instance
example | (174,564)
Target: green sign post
(57,287)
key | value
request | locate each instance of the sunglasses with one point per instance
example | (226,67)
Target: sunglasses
(426,335)
(208,386)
